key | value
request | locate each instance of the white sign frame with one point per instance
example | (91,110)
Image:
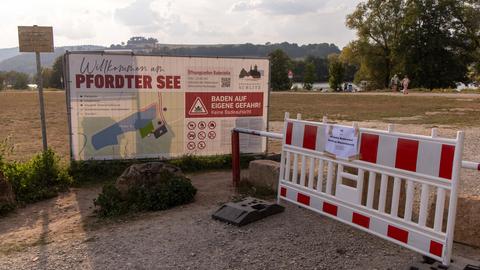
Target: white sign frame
(234,95)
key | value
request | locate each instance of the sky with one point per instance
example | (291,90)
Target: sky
(105,22)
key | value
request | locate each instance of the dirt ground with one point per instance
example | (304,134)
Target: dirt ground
(62,233)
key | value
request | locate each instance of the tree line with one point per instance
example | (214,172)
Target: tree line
(52,77)
(435,42)
(309,70)
(239,50)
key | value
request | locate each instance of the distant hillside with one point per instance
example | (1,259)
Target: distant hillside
(25,62)
(151,45)
(292,49)
(8,52)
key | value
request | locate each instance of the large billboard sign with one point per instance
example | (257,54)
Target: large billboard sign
(143,106)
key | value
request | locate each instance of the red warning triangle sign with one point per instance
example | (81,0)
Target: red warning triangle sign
(198,107)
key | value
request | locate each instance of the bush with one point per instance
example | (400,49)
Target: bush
(40,178)
(170,191)
(97,170)
(5,208)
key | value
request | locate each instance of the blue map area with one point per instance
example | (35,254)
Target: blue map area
(134,122)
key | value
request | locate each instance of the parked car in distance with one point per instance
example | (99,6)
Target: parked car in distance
(461,86)
(318,86)
(325,87)
(350,87)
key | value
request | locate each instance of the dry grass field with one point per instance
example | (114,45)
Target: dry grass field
(19,113)
(458,110)
(19,118)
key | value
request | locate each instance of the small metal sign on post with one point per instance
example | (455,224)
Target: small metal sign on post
(37,39)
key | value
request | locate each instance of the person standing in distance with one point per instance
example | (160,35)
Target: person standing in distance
(394,83)
(405,83)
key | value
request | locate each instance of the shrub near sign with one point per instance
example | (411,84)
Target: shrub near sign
(138,106)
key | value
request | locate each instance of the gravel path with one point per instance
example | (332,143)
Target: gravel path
(62,234)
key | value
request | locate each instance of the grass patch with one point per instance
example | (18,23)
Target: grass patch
(455,111)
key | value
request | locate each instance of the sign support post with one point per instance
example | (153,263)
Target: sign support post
(37,39)
(40,98)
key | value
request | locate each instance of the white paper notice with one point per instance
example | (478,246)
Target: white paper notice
(341,141)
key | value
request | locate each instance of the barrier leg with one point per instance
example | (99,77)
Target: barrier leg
(235,158)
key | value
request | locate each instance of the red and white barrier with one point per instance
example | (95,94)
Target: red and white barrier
(313,179)
(368,222)
(405,163)
(471,165)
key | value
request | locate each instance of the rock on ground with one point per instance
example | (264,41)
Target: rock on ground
(144,173)
(264,173)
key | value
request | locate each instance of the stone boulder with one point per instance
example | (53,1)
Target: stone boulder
(467,229)
(143,174)
(264,173)
(7,196)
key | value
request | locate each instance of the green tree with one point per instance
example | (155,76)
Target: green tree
(298,68)
(433,41)
(279,63)
(321,67)
(57,78)
(17,80)
(21,81)
(2,80)
(433,36)
(46,77)
(309,77)
(336,71)
(466,18)
(379,24)
(350,60)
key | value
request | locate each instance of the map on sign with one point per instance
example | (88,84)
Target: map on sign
(124,106)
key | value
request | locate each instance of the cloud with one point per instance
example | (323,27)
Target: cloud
(279,7)
(148,16)
(75,29)
(138,14)
(105,22)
